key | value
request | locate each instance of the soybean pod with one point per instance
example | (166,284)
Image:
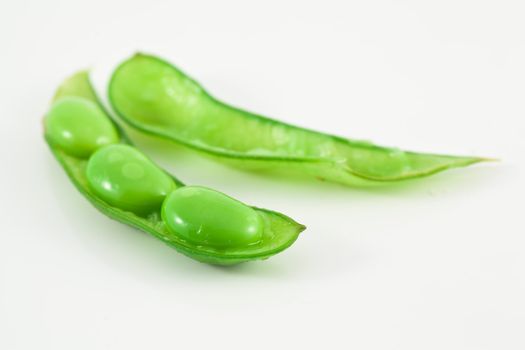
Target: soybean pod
(157,98)
(124,184)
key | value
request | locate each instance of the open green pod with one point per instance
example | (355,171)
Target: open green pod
(93,160)
(157,98)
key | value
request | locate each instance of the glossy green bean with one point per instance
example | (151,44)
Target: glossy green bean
(207,217)
(127,179)
(79,126)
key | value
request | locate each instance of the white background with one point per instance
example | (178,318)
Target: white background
(432,264)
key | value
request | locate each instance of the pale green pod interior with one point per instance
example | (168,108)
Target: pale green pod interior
(157,98)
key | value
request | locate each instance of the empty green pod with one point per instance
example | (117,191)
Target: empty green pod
(275,233)
(157,98)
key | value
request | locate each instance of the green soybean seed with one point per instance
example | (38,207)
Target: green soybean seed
(79,126)
(208,217)
(127,179)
